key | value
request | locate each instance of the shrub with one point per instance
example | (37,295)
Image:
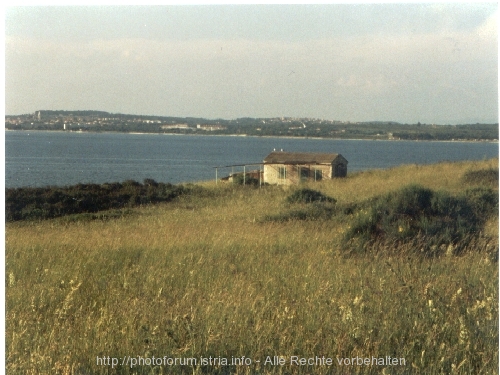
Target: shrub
(150,182)
(484,201)
(315,211)
(488,177)
(50,202)
(239,179)
(308,196)
(319,207)
(414,211)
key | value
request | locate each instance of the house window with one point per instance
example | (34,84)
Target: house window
(304,173)
(318,175)
(282,173)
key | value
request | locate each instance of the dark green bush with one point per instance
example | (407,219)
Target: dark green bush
(315,211)
(150,182)
(308,196)
(483,200)
(239,179)
(487,177)
(319,207)
(50,202)
(413,211)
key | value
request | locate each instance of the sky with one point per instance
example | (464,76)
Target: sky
(429,62)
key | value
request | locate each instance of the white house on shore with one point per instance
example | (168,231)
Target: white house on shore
(290,168)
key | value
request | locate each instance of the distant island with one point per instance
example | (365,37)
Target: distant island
(101,121)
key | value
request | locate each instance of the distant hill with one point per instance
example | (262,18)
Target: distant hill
(50,113)
(102,121)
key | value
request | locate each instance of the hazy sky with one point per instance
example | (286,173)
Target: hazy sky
(433,63)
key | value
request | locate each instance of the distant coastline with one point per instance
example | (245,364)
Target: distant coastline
(289,127)
(253,136)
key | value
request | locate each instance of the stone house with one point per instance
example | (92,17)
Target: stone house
(290,168)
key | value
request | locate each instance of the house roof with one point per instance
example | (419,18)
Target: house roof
(280,157)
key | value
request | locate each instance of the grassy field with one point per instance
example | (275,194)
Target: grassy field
(213,275)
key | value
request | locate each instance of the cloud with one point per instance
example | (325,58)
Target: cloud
(489,28)
(334,76)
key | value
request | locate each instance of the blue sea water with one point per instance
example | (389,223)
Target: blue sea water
(38,158)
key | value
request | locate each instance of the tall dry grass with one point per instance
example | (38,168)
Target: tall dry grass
(206,277)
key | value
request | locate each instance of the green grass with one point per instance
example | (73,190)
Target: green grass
(208,275)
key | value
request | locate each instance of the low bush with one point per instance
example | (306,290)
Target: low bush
(483,201)
(308,196)
(415,211)
(239,179)
(488,177)
(315,211)
(315,206)
(51,202)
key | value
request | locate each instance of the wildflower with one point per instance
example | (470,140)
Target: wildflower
(426,288)
(464,332)
(455,296)
(449,250)
(12,279)
(346,313)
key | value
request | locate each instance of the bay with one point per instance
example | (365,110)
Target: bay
(41,158)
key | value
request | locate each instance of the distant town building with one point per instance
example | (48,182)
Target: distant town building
(208,127)
(175,126)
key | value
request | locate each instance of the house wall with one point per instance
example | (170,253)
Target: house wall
(339,169)
(294,173)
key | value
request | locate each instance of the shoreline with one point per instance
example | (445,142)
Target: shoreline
(258,136)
